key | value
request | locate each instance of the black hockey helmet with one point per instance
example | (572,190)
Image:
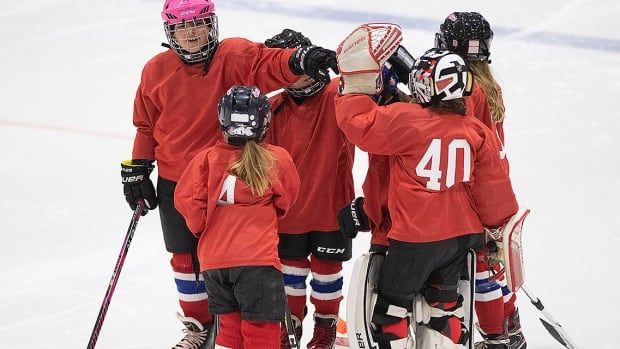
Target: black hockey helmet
(466,33)
(289,38)
(244,114)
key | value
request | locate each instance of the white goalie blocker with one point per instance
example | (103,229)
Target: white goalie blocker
(513,250)
(510,249)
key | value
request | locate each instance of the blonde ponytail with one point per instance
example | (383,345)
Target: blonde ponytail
(484,76)
(253,167)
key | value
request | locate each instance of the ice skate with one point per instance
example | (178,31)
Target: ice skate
(324,336)
(515,333)
(197,336)
(493,341)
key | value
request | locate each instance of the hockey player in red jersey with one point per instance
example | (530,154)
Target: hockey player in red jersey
(304,123)
(232,195)
(174,113)
(446,184)
(371,212)
(469,34)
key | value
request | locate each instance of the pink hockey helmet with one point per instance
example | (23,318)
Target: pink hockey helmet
(178,11)
(183,14)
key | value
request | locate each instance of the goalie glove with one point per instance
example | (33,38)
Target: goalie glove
(362,54)
(353,219)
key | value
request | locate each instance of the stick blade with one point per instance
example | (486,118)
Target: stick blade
(553,331)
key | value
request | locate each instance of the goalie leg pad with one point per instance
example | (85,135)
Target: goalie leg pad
(360,300)
(387,313)
(428,338)
(441,310)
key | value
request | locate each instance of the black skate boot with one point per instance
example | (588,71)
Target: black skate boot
(493,341)
(324,336)
(197,336)
(515,333)
(284,343)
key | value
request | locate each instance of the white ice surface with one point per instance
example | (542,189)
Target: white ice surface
(68,73)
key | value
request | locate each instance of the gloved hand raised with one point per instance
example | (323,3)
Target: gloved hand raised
(362,54)
(352,218)
(315,62)
(137,184)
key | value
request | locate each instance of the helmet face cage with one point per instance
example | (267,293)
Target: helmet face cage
(307,91)
(244,114)
(440,75)
(466,33)
(389,81)
(207,41)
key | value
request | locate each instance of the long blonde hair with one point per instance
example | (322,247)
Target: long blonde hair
(253,167)
(484,76)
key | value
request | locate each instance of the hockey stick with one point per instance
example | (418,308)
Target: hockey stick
(471,255)
(552,325)
(290,326)
(274,93)
(115,275)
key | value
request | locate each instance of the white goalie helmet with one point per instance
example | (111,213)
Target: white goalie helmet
(440,75)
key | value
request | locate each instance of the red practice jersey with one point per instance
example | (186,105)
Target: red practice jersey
(322,154)
(478,106)
(375,187)
(175,109)
(446,176)
(235,227)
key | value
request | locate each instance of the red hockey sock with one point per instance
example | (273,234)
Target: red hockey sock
(229,334)
(295,272)
(326,286)
(489,301)
(192,293)
(260,334)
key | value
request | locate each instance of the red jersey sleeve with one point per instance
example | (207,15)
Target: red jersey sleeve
(145,115)
(382,130)
(286,184)
(492,191)
(191,194)
(265,67)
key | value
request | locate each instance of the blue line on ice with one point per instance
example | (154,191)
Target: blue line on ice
(419,23)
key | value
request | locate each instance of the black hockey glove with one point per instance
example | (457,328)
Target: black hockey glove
(314,61)
(353,219)
(288,38)
(137,184)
